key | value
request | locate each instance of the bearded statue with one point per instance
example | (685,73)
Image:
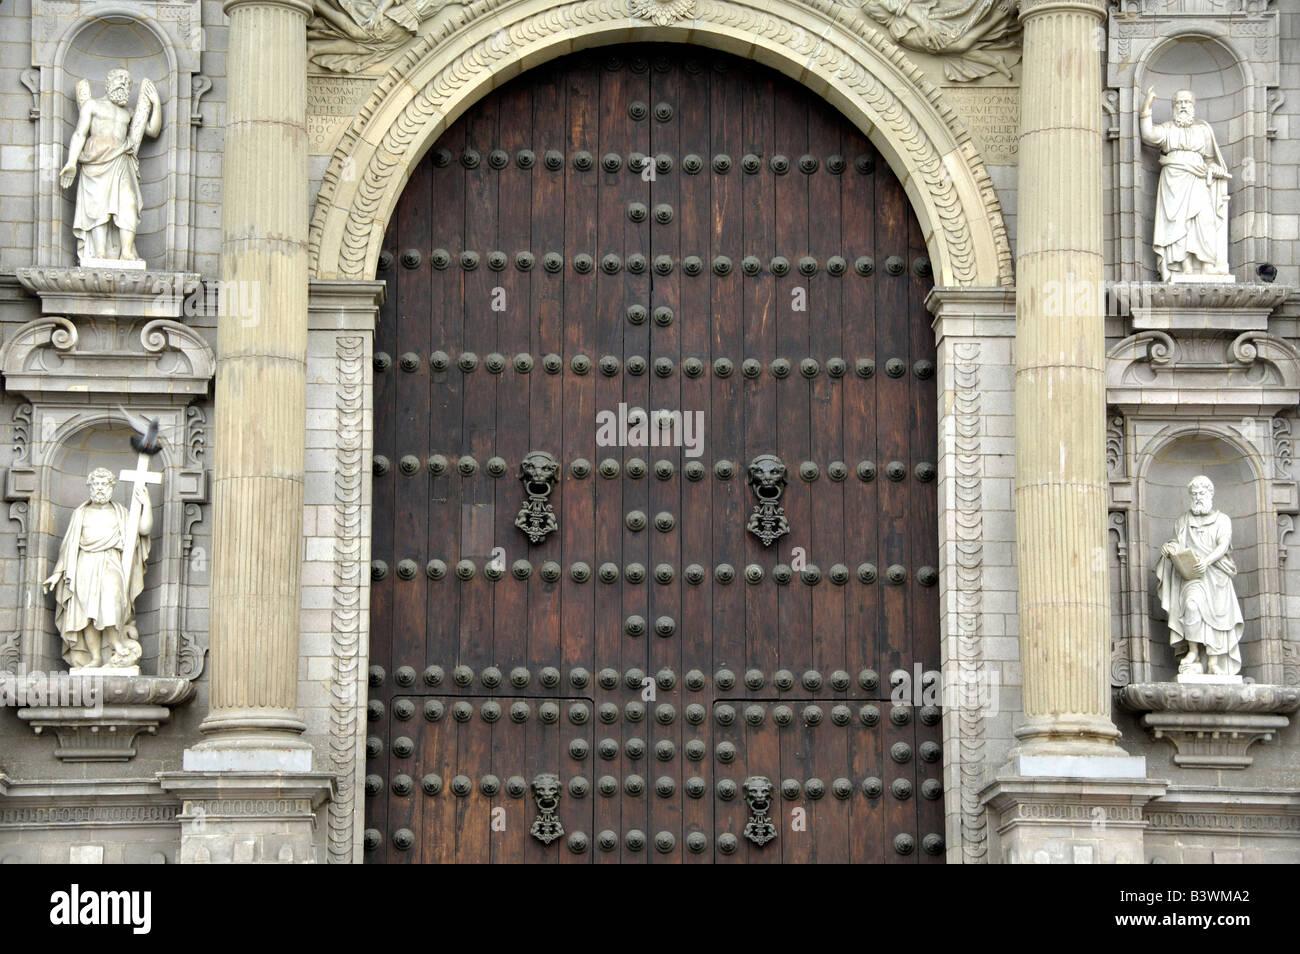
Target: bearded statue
(1191,226)
(1195,584)
(106,144)
(96,592)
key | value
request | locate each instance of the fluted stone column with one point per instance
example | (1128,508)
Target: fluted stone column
(1060,386)
(247,791)
(1069,793)
(261,384)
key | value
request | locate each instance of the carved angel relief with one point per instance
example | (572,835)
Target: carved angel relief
(345,36)
(974,37)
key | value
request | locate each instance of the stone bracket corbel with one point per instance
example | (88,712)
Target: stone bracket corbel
(95,717)
(1211,726)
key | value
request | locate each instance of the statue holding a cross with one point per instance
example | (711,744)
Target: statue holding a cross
(100,572)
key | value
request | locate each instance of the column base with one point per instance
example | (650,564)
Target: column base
(253,753)
(1070,809)
(1068,736)
(249,817)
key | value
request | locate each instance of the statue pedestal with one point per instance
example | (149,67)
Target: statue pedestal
(1198,303)
(1211,723)
(112,263)
(96,714)
(1208,679)
(106,671)
(1195,278)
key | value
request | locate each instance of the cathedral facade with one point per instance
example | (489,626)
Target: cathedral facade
(649,430)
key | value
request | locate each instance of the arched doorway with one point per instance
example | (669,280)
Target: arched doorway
(656,228)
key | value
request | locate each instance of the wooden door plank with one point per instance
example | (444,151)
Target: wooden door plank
(511,307)
(545,402)
(668,85)
(793,439)
(725,624)
(633,653)
(693,643)
(827,495)
(381,549)
(445,333)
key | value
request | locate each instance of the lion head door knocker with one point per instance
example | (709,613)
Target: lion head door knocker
(767,479)
(546,796)
(536,518)
(758,793)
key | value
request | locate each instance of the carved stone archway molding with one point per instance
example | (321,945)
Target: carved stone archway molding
(825,46)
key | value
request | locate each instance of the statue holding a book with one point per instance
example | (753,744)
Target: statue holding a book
(1195,578)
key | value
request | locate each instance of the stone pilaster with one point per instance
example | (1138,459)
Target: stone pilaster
(1060,387)
(260,397)
(973,331)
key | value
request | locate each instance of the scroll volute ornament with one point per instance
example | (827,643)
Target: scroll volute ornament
(758,794)
(546,797)
(767,478)
(536,518)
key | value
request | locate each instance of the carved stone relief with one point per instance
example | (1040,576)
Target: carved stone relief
(974,38)
(447,65)
(345,36)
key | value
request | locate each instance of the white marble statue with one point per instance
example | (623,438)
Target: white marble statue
(106,144)
(96,603)
(1191,226)
(1195,583)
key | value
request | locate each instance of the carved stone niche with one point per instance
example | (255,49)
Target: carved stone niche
(162,41)
(107,340)
(1201,387)
(1227,55)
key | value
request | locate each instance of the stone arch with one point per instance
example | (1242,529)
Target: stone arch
(841,59)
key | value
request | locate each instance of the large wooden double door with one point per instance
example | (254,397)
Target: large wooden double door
(653,653)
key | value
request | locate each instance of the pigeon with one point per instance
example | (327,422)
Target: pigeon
(145,440)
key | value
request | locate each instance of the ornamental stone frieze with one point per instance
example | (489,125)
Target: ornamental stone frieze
(1201,347)
(447,66)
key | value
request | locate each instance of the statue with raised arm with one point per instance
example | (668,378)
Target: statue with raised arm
(95,591)
(1195,584)
(1191,225)
(106,145)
